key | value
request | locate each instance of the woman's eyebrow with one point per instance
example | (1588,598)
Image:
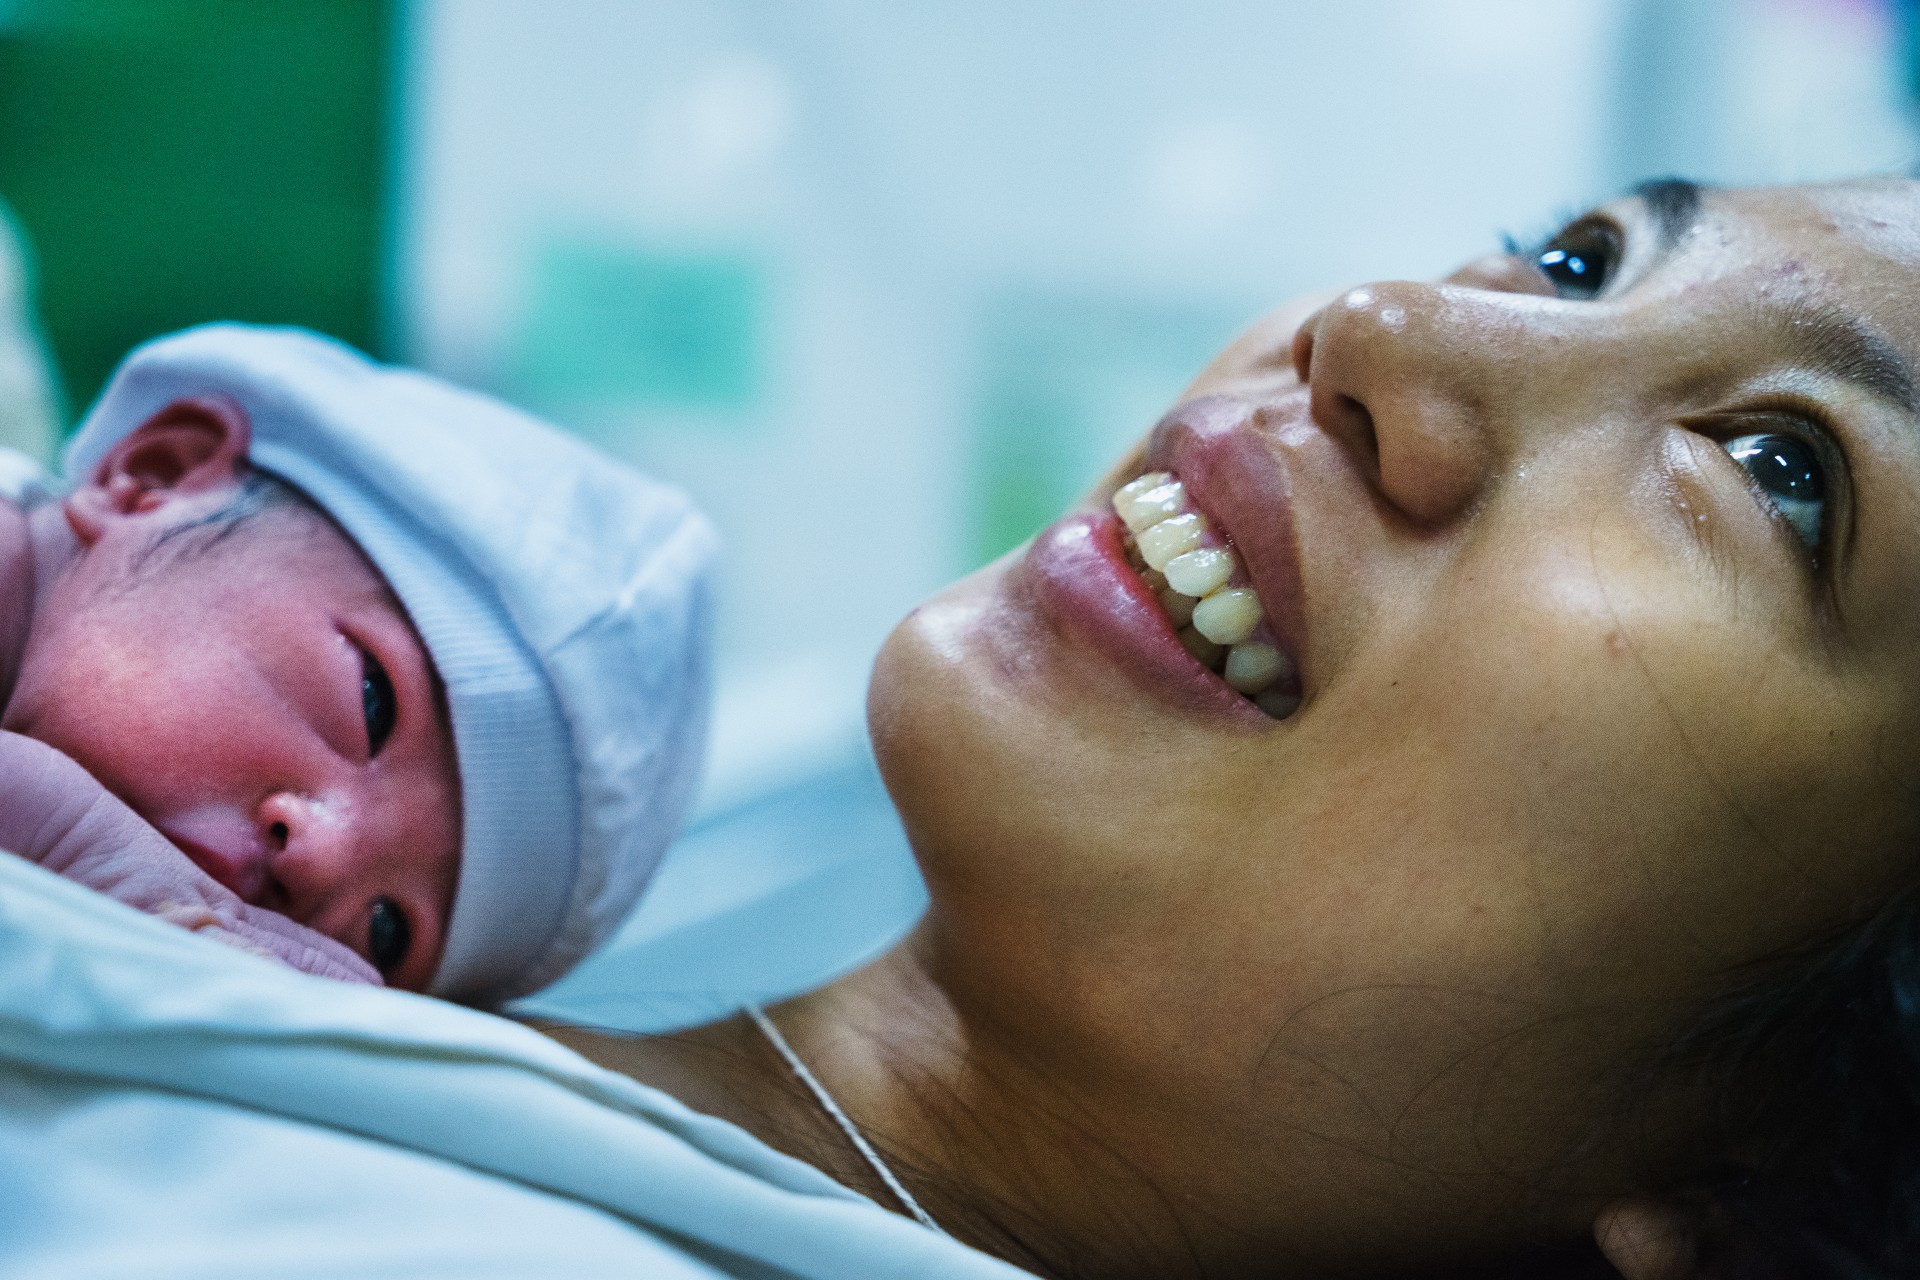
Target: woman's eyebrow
(1844,347)
(1674,204)
(1823,337)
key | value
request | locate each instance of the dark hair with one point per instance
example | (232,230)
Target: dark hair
(258,492)
(1812,1075)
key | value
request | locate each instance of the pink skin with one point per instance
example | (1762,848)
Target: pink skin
(57,815)
(219,693)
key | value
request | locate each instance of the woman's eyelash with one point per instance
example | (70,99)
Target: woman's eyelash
(1579,261)
(1795,469)
(1531,245)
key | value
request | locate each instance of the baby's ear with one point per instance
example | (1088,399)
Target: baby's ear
(1647,1240)
(189,449)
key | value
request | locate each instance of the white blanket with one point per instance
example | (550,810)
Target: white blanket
(173,1108)
(27,414)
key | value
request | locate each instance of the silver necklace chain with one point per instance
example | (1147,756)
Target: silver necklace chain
(840,1117)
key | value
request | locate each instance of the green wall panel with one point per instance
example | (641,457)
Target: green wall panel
(1066,385)
(175,161)
(617,325)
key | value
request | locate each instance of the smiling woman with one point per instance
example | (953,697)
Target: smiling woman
(1557,912)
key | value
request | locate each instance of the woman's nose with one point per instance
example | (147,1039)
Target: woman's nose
(1403,375)
(312,848)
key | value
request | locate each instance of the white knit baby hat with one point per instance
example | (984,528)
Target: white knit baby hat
(563,596)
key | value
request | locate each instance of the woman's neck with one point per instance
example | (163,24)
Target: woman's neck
(1001,1159)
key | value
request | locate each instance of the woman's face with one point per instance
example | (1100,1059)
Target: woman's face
(1600,698)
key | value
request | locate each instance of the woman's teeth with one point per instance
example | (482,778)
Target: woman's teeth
(1215,622)
(1251,668)
(1200,572)
(1227,617)
(1174,536)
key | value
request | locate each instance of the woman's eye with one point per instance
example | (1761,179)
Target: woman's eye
(1580,260)
(376,702)
(1789,472)
(388,936)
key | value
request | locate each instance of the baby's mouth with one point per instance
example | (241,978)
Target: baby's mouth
(1202,586)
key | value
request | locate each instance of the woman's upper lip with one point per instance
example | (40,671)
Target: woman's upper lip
(1235,476)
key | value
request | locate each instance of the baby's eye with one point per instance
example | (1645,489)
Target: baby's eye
(389,936)
(1580,260)
(1789,472)
(376,702)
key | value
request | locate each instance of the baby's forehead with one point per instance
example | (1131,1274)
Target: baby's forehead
(263,531)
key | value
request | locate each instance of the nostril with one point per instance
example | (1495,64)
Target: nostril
(1356,422)
(1303,351)
(278,833)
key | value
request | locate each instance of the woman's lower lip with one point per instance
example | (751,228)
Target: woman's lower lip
(1076,577)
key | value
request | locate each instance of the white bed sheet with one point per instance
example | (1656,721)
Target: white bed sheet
(169,1107)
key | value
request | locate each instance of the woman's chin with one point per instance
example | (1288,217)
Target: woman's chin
(970,709)
(979,657)
(1008,746)
(941,680)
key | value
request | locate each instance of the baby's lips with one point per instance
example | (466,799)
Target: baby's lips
(56,814)
(222,844)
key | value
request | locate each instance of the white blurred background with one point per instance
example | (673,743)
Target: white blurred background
(884,285)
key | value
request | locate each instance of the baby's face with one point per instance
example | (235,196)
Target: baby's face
(263,700)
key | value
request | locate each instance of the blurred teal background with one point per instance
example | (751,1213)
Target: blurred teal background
(174,160)
(884,285)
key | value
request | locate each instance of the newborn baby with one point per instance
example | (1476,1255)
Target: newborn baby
(415,682)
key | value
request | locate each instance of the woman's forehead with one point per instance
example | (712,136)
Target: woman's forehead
(1853,233)
(1825,278)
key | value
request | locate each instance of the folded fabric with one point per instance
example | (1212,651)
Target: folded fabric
(173,1108)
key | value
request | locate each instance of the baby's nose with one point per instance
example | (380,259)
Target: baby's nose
(311,844)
